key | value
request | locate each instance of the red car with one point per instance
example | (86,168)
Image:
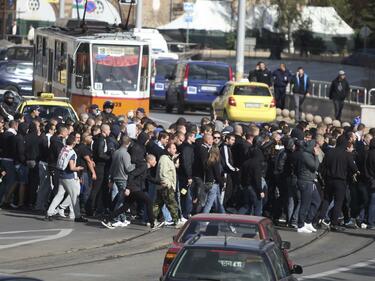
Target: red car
(252,227)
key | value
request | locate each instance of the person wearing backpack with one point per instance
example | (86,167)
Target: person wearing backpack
(68,179)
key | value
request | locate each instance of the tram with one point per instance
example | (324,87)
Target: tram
(92,65)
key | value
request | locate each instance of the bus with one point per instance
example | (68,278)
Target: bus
(92,65)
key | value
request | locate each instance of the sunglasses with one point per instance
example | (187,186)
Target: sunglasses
(217,138)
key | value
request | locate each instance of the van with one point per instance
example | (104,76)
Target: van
(195,84)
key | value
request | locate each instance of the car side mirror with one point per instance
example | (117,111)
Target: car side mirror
(285,245)
(297,269)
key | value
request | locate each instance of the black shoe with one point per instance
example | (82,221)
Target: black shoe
(337,228)
(48,218)
(80,219)
(371,227)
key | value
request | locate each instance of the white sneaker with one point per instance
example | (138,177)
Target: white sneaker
(363,225)
(169,223)
(310,227)
(303,230)
(61,213)
(119,224)
(183,220)
(127,222)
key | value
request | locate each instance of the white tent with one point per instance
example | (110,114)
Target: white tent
(35,10)
(207,15)
(324,20)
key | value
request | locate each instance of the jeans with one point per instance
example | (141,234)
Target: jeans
(213,199)
(186,203)
(298,101)
(359,200)
(310,202)
(294,203)
(45,187)
(118,197)
(338,106)
(280,93)
(255,203)
(336,191)
(371,210)
(86,187)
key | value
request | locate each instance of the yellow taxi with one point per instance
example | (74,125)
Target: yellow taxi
(49,107)
(246,102)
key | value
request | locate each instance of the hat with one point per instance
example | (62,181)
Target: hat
(94,106)
(34,107)
(142,110)
(341,72)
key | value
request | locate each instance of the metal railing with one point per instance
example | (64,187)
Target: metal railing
(359,95)
(371,97)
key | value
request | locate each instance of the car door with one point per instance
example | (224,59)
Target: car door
(174,84)
(279,263)
(220,101)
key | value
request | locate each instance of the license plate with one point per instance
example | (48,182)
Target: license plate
(208,88)
(159,86)
(252,105)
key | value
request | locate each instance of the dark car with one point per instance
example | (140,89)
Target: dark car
(18,52)
(251,227)
(17,278)
(162,69)
(230,258)
(194,84)
(16,76)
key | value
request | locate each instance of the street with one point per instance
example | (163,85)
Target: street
(62,250)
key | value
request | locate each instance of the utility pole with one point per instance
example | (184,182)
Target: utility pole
(62,9)
(240,39)
(138,14)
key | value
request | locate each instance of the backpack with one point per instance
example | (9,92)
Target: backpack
(64,157)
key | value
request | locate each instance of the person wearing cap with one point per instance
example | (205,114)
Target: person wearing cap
(338,92)
(34,113)
(94,111)
(140,113)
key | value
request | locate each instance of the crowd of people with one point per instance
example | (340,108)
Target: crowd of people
(129,168)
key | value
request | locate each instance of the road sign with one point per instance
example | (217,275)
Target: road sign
(188,18)
(188,7)
(128,2)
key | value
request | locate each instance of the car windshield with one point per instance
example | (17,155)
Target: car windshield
(247,90)
(164,68)
(25,54)
(22,69)
(208,72)
(220,228)
(115,67)
(217,264)
(53,111)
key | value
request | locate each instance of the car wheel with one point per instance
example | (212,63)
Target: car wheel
(181,106)
(13,89)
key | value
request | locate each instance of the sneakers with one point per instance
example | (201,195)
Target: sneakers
(310,227)
(351,224)
(80,219)
(363,225)
(48,218)
(61,213)
(304,229)
(336,228)
(169,223)
(183,220)
(156,226)
(107,224)
(370,227)
(120,224)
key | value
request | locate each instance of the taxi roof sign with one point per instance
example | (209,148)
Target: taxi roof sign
(47,95)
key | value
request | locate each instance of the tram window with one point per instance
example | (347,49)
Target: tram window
(44,57)
(39,56)
(60,73)
(82,71)
(144,69)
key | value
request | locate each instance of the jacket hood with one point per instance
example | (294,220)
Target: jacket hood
(288,144)
(142,138)
(309,146)
(258,141)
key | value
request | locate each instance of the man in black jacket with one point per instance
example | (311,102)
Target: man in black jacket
(100,193)
(307,167)
(185,174)
(339,165)
(281,78)
(263,75)
(338,92)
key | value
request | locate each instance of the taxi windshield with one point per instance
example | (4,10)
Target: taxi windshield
(115,67)
(53,111)
(216,264)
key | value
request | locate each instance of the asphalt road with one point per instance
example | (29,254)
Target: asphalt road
(63,250)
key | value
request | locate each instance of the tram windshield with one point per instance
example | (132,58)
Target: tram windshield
(115,68)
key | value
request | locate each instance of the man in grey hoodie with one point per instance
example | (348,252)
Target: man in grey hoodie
(307,167)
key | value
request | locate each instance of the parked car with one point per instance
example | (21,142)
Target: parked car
(18,52)
(194,84)
(251,227)
(230,258)
(245,101)
(16,76)
(162,69)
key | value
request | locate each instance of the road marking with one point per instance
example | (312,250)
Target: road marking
(86,275)
(61,233)
(339,270)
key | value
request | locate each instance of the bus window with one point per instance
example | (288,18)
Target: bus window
(60,62)
(115,67)
(82,71)
(144,69)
